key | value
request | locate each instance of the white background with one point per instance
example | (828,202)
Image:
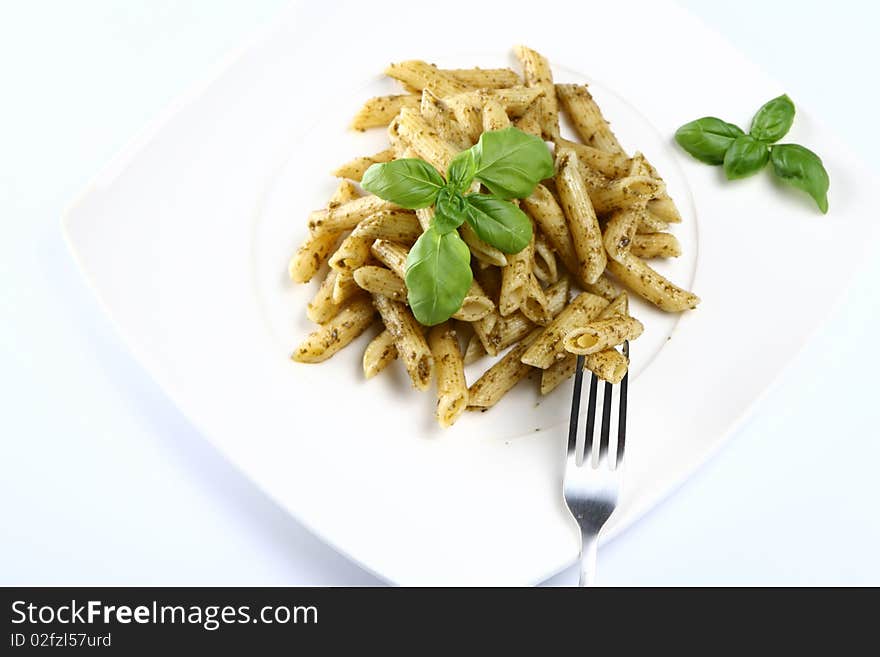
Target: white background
(102,481)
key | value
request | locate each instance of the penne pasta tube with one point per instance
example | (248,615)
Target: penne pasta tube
(651,286)
(619,232)
(474,350)
(409,340)
(424,139)
(476,305)
(468,112)
(557,295)
(425,215)
(480,250)
(586,117)
(611,165)
(421,75)
(655,245)
(379,354)
(609,364)
(623,193)
(452,391)
(338,332)
(649,223)
(535,305)
(378,280)
(351,254)
(378,112)
(582,222)
(344,287)
(317,248)
(662,207)
(498,380)
(602,288)
(443,120)
(547,214)
(509,330)
(516,100)
(392,256)
(356,168)
(537,73)
(484,78)
(544,261)
(530,121)
(394,225)
(321,308)
(345,216)
(547,347)
(494,115)
(602,334)
(515,280)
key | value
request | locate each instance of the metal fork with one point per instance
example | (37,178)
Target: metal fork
(592,482)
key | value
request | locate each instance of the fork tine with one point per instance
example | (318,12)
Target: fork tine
(606,422)
(575,405)
(621,418)
(591,419)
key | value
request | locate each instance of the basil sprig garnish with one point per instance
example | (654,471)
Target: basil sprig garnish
(509,163)
(714,141)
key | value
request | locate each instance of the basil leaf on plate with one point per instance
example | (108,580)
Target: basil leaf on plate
(511,163)
(745,157)
(438,276)
(410,182)
(773,120)
(803,169)
(498,223)
(708,138)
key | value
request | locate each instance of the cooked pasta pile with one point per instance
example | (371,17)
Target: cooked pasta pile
(596,223)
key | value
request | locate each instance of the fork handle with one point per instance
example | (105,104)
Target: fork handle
(589,544)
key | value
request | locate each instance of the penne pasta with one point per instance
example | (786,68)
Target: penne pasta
(409,340)
(610,164)
(476,305)
(378,280)
(494,115)
(379,354)
(424,139)
(515,280)
(322,307)
(623,193)
(651,286)
(474,350)
(619,232)
(393,225)
(544,261)
(537,74)
(317,248)
(662,207)
(420,75)
(337,333)
(344,288)
(351,254)
(547,347)
(547,214)
(499,379)
(655,245)
(530,121)
(484,78)
(535,305)
(392,256)
(586,117)
(480,250)
(452,391)
(602,334)
(443,120)
(582,222)
(356,168)
(602,288)
(378,112)
(345,216)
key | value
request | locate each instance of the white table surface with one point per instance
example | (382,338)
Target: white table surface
(102,481)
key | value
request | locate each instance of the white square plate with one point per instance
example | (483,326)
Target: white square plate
(186,238)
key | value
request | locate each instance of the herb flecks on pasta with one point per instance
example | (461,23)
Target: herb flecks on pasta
(472,237)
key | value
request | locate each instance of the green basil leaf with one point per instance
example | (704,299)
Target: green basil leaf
(745,157)
(707,139)
(460,173)
(511,163)
(449,210)
(802,168)
(438,276)
(773,120)
(498,223)
(411,183)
